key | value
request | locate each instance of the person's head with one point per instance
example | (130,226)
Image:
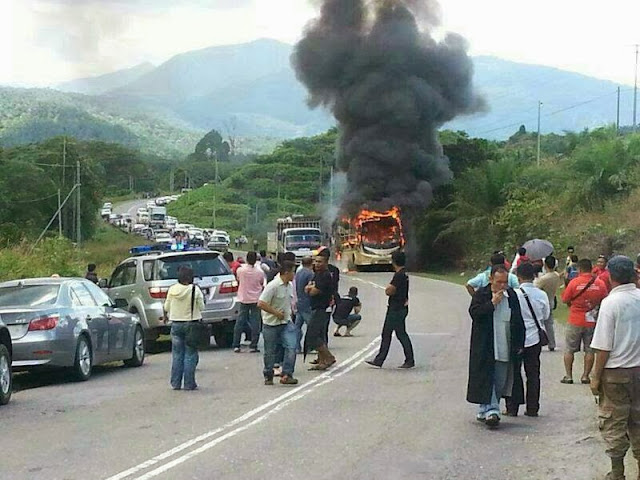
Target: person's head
(570,250)
(550,263)
(228,256)
(289,257)
(398,259)
(263,254)
(526,272)
(585,265)
(320,263)
(252,258)
(497,259)
(622,270)
(325,252)
(601,262)
(574,258)
(499,278)
(91,268)
(522,251)
(287,271)
(185,275)
(353,292)
(307,262)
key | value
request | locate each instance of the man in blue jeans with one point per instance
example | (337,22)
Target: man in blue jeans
(302,279)
(278,330)
(250,283)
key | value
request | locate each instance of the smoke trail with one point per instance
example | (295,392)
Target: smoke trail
(390,86)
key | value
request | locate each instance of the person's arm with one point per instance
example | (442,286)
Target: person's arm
(483,305)
(602,344)
(390,290)
(357,308)
(199,299)
(602,357)
(262,305)
(568,293)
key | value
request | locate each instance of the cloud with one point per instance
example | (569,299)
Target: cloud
(80,31)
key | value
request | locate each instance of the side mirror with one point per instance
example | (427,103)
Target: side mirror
(102,283)
(121,303)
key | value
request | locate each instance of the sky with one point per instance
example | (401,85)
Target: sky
(50,41)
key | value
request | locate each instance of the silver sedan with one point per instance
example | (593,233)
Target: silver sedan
(68,322)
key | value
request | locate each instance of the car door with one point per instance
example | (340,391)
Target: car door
(120,325)
(122,283)
(88,311)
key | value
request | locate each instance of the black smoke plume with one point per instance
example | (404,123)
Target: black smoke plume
(390,86)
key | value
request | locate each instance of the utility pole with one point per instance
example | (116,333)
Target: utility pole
(635,94)
(79,215)
(332,188)
(59,214)
(320,182)
(64,166)
(618,114)
(539,110)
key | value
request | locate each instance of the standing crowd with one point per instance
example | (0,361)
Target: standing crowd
(512,320)
(291,307)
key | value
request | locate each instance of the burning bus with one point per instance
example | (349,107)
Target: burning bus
(371,237)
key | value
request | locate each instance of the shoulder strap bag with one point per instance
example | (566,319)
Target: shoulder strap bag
(197,333)
(544,339)
(586,287)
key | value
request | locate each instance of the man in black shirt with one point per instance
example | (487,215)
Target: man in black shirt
(321,291)
(335,278)
(342,315)
(397,311)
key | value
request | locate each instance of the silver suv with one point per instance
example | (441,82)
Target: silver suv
(143,281)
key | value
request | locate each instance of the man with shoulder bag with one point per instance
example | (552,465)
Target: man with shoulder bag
(583,294)
(183,307)
(534,306)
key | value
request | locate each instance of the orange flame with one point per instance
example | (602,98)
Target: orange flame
(366,216)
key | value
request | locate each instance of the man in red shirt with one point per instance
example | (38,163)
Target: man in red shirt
(233,264)
(583,294)
(600,270)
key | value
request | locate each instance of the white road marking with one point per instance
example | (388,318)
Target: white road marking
(278,402)
(370,283)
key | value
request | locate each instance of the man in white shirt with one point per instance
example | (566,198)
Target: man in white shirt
(616,377)
(534,306)
(279,330)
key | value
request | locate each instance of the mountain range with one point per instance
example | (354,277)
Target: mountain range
(251,89)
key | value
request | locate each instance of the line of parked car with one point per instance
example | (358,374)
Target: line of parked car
(74,324)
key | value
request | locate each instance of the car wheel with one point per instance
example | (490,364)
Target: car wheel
(84,360)
(223,338)
(6,379)
(137,358)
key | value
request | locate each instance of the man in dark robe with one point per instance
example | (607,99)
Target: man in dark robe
(497,341)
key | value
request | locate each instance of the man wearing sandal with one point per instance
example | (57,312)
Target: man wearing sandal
(583,295)
(616,377)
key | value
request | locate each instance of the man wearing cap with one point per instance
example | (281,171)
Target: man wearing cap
(616,376)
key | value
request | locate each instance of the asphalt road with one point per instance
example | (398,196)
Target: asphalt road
(351,422)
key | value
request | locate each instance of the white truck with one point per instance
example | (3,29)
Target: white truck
(157,217)
(298,234)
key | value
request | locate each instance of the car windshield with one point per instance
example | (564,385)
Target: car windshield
(29,295)
(203,265)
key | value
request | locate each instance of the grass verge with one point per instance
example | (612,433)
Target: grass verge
(59,256)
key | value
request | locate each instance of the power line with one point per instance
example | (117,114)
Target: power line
(32,200)
(556,112)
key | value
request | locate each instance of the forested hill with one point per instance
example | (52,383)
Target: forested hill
(34,115)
